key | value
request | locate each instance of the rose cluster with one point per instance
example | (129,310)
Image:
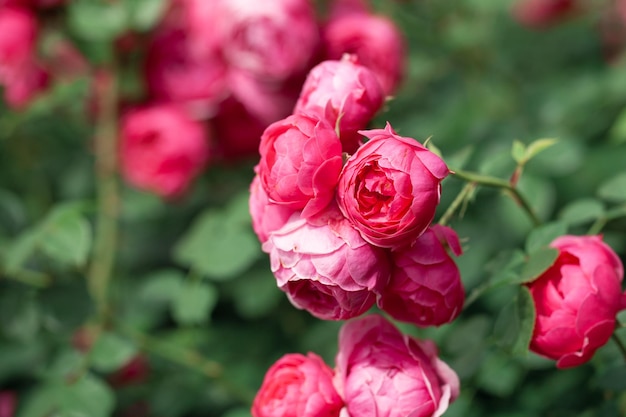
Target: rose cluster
(378,371)
(344,236)
(218,72)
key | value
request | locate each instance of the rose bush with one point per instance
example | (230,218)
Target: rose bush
(425,288)
(380,371)
(297,386)
(390,188)
(577,300)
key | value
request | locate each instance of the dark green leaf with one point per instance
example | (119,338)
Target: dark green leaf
(543,235)
(111,352)
(145,14)
(515,323)
(614,190)
(582,211)
(97,20)
(194,302)
(65,235)
(536,264)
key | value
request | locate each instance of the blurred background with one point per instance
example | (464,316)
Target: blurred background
(133,290)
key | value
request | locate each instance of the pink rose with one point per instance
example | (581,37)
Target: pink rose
(577,300)
(380,372)
(389,189)
(237,132)
(162,149)
(23,85)
(267,217)
(542,13)
(297,386)
(343,91)
(184,68)
(273,39)
(17,40)
(300,163)
(325,267)
(374,39)
(425,287)
(8,402)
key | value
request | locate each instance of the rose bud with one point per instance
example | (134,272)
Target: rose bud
(389,189)
(577,300)
(271,40)
(343,92)
(8,403)
(326,267)
(425,288)
(135,371)
(374,39)
(297,386)
(162,149)
(380,372)
(300,163)
(267,217)
(542,13)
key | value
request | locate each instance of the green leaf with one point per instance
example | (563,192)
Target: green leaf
(613,379)
(515,323)
(256,294)
(614,190)
(618,130)
(162,286)
(542,236)
(65,235)
(218,246)
(582,211)
(145,14)
(194,302)
(111,352)
(538,146)
(20,250)
(97,20)
(88,397)
(518,152)
(536,264)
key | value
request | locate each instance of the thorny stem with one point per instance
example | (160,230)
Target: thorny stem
(103,258)
(459,199)
(494,182)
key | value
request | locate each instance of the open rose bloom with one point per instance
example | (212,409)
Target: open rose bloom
(298,386)
(327,268)
(390,188)
(577,300)
(381,372)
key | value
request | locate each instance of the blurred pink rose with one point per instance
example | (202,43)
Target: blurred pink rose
(375,39)
(17,40)
(25,84)
(577,300)
(425,287)
(8,403)
(162,149)
(380,372)
(237,132)
(300,163)
(343,7)
(177,71)
(326,267)
(272,39)
(542,13)
(266,217)
(389,189)
(297,386)
(344,91)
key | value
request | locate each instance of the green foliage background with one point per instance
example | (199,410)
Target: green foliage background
(191,289)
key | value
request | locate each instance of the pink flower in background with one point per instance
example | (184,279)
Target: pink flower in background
(380,372)
(17,40)
(237,132)
(344,91)
(300,163)
(374,39)
(266,217)
(272,39)
(8,403)
(325,267)
(577,300)
(343,7)
(162,149)
(298,386)
(425,287)
(389,189)
(185,69)
(542,13)
(24,84)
